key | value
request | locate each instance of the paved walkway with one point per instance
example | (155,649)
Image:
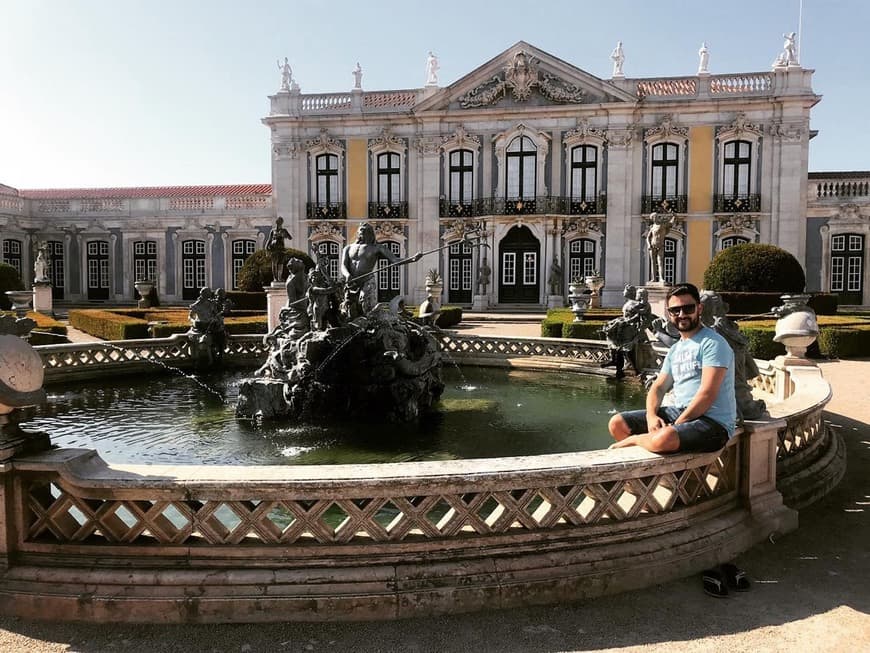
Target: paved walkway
(811,592)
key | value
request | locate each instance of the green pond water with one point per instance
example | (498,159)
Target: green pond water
(484,412)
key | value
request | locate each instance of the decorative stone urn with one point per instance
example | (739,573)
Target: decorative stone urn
(595,282)
(144,289)
(21,300)
(580,297)
(434,287)
(796,329)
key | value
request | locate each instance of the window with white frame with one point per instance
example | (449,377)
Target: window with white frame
(12,253)
(389,178)
(193,272)
(665,167)
(584,173)
(330,250)
(242,250)
(461,181)
(509,268)
(731,241)
(144,260)
(737,166)
(326,171)
(847,263)
(530,268)
(521,168)
(581,258)
(389,277)
(669,261)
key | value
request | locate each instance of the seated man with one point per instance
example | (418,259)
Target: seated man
(700,369)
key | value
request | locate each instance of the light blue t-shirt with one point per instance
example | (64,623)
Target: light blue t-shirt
(684,362)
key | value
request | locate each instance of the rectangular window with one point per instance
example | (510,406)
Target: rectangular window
(466,274)
(576,267)
(856,243)
(509,268)
(455,276)
(837,265)
(530,268)
(838,243)
(853,274)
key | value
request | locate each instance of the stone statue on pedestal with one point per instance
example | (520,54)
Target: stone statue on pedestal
(704,60)
(357,76)
(660,225)
(432,68)
(618,59)
(286,74)
(40,266)
(624,333)
(275,246)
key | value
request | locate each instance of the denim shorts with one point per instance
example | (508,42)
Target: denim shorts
(698,435)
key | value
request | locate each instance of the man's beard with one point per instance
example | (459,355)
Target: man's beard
(687,323)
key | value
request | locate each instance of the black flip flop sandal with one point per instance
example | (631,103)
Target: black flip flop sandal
(714,583)
(735,577)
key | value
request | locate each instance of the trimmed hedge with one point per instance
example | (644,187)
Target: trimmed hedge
(47,325)
(233,325)
(757,303)
(585,330)
(108,325)
(449,316)
(845,342)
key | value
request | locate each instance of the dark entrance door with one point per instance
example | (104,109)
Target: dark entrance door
(459,265)
(98,270)
(847,267)
(519,254)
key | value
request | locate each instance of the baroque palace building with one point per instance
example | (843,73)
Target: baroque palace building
(545,162)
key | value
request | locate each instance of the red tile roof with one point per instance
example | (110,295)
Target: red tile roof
(145,191)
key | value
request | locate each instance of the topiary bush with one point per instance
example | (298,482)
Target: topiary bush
(9,280)
(754,267)
(256,272)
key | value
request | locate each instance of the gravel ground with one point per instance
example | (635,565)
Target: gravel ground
(809,593)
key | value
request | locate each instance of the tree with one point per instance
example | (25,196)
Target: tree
(754,267)
(256,272)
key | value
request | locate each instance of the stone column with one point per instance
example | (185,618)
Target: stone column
(428,188)
(621,253)
(758,476)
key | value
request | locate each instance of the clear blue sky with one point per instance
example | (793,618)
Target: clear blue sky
(163,92)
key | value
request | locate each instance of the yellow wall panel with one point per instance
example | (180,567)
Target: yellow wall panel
(701,172)
(357,181)
(699,241)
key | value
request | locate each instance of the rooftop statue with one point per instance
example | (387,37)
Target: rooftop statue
(286,74)
(432,69)
(618,59)
(357,76)
(704,60)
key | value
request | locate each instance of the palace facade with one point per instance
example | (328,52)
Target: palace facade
(542,161)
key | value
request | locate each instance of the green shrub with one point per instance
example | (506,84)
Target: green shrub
(551,328)
(108,325)
(256,272)
(761,342)
(585,330)
(9,280)
(754,267)
(824,303)
(449,316)
(845,342)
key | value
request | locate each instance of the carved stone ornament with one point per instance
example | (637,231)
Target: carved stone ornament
(387,140)
(389,230)
(666,129)
(739,126)
(787,132)
(456,229)
(521,76)
(427,145)
(325,229)
(737,223)
(620,137)
(460,139)
(581,225)
(850,213)
(286,149)
(582,132)
(324,141)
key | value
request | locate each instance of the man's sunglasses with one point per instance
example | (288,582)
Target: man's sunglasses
(685,309)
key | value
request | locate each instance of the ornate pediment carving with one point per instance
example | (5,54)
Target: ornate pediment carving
(520,77)
(427,145)
(326,230)
(387,140)
(850,213)
(389,230)
(286,149)
(667,129)
(581,225)
(620,137)
(739,127)
(736,223)
(786,131)
(458,229)
(583,132)
(323,141)
(460,139)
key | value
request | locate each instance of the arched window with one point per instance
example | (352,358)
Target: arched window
(12,253)
(730,241)
(581,258)
(389,278)
(389,178)
(461,181)
(193,273)
(330,250)
(326,192)
(242,249)
(665,167)
(737,166)
(584,169)
(521,169)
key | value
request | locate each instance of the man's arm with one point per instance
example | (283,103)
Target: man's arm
(657,391)
(711,381)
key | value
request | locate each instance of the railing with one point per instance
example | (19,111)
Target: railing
(737,203)
(747,84)
(325,210)
(541,205)
(388,209)
(675,204)
(211,543)
(838,189)
(11,203)
(667,87)
(389,99)
(325,102)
